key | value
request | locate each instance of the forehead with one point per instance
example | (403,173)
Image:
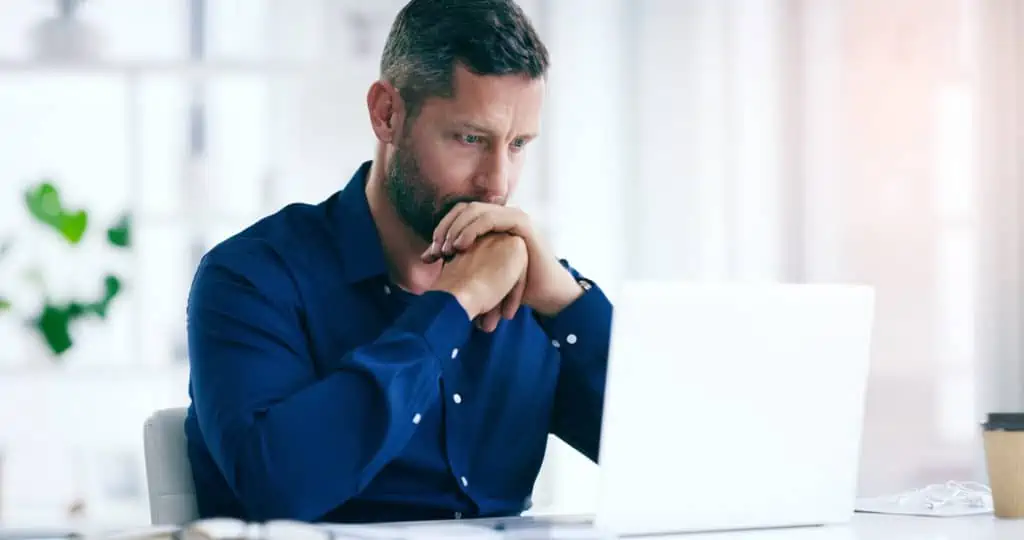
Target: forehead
(508,101)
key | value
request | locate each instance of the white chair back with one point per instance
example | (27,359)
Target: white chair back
(172,493)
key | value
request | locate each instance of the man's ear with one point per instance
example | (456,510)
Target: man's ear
(386,110)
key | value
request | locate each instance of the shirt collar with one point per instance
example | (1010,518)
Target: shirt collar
(362,253)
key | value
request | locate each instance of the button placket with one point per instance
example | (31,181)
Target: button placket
(451,387)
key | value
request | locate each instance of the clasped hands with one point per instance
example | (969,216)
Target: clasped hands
(498,264)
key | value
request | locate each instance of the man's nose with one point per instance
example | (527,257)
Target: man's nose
(492,181)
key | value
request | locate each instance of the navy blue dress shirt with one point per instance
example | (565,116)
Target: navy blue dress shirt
(323,392)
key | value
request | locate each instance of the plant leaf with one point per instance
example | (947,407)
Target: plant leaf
(44,204)
(5,304)
(76,310)
(120,234)
(54,323)
(112,285)
(72,226)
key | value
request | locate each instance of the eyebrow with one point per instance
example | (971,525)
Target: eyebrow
(477,127)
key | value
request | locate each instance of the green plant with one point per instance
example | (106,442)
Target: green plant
(55,319)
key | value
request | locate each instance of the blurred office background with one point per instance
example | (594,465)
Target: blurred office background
(794,140)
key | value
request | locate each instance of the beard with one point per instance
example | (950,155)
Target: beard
(414,197)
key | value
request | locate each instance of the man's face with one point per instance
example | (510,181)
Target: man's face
(468,148)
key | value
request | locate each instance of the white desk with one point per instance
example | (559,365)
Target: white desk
(862,527)
(885,527)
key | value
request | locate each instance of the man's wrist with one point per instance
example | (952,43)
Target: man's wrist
(464,296)
(465,299)
(563,297)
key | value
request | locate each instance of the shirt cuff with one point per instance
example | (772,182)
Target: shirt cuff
(583,327)
(440,319)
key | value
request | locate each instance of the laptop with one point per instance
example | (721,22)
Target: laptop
(733,407)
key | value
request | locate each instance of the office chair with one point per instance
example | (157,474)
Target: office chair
(172,494)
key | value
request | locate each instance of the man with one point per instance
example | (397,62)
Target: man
(402,350)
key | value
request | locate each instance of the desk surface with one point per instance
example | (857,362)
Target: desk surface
(886,527)
(862,527)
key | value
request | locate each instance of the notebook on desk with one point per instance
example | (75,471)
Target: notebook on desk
(733,406)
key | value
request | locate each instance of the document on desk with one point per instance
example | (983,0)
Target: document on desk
(892,505)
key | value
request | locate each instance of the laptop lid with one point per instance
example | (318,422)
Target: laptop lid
(733,406)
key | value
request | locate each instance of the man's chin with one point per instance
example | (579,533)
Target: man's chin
(422,229)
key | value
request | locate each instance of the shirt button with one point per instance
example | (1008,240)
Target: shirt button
(387,289)
(464,481)
(455,352)
(457,398)
(570,339)
(416,419)
(556,343)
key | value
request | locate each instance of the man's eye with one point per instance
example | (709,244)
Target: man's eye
(518,144)
(470,139)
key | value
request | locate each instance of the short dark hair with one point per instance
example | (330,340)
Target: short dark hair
(429,37)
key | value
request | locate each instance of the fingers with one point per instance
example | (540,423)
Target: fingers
(476,213)
(467,222)
(507,309)
(488,322)
(510,306)
(466,230)
(487,219)
(433,253)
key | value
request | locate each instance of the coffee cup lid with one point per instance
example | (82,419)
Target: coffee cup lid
(1005,422)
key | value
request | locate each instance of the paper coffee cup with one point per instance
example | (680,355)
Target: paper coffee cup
(1004,459)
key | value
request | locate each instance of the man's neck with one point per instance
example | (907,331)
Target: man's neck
(401,245)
